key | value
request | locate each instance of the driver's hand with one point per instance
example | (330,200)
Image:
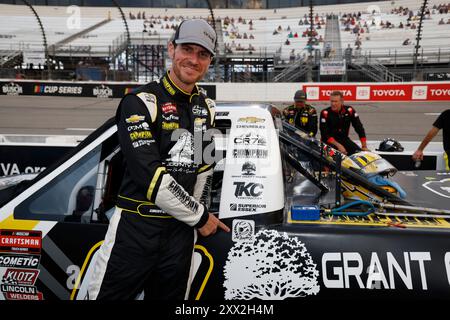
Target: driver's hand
(211,226)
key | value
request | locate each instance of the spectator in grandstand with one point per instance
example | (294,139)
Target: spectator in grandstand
(348,52)
(335,124)
(287,42)
(441,21)
(292,56)
(149,247)
(442,122)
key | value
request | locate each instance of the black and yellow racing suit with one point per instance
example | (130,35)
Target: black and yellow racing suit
(163,196)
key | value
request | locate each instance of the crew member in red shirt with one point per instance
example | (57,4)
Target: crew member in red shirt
(335,125)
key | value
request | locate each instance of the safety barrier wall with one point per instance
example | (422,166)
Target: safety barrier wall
(248,92)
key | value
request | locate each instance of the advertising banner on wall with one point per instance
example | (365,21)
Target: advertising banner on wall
(332,67)
(77,89)
(380,91)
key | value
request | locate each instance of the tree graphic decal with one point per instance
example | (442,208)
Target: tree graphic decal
(273,266)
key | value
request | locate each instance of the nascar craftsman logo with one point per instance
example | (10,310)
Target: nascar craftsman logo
(20,241)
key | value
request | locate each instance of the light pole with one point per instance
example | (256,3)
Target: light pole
(44,38)
(419,37)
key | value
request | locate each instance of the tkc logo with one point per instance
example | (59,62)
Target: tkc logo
(248,189)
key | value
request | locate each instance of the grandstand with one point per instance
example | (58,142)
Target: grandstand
(368,41)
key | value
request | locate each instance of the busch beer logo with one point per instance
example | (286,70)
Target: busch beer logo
(12,89)
(248,190)
(102,92)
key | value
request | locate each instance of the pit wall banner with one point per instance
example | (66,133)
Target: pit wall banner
(269,92)
(423,91)
(77,89)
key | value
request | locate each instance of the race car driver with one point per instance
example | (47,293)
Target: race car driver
(335,125)
(301,114)
(164,191)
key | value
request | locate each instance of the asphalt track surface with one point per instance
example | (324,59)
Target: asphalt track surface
(37,115)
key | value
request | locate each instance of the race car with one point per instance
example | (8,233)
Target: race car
(306,221)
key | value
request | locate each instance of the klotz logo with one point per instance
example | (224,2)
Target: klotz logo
(102,92)
(12,89)
(243,230)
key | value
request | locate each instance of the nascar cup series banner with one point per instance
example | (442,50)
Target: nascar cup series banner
(76,89)
(420,91)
